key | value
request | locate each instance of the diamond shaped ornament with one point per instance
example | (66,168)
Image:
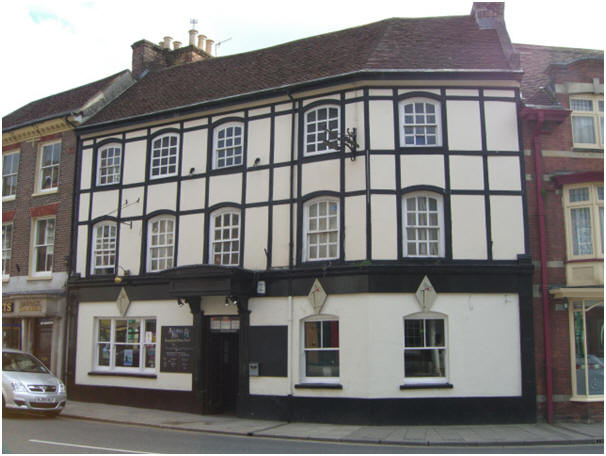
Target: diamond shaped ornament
(123,302)
(426,294)
(317,296)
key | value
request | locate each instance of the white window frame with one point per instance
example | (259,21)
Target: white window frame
(596,114)
(231,146)
(419,226)
(161,156)
(314,134)
(583,306)
(426,380)
(166,260)
(415,124)
(595,206)
(48,244)
(104,248)
(224,245)
(10,175)
(141,369)
(305,350)
(7,247)
(313,231)
(108,168)
(53,167)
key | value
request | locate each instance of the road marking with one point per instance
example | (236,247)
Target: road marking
(85,446)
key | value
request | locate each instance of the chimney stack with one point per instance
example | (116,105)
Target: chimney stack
(192,37)
(209,46)
(491,15)
(176,45)
(167,40)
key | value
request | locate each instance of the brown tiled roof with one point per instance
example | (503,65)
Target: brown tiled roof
(444,43)
(56,105)
(535,61)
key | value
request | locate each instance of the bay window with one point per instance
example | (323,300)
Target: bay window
(104,248)
(420,122)
(423,225)
(321,230)
(225,238)
(161,244)
(585,215)
(321,126)
(587,121)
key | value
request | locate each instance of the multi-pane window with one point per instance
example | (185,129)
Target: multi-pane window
(43,246)
(50,154)
(125,344)
(321,349)
(108,165)
(225,238)
(424,349)
(321,230)
(422,225)
(7,245)
(587,339)
(161,244)
(585,206)
(104,250)
(420,123)
(10,169)
(165,150)
(321,126)
(228,146)
(587,121)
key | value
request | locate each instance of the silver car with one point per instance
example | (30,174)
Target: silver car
(28,385)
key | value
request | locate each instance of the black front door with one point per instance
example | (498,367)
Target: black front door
(223,372)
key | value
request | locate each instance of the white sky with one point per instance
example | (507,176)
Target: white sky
(55,45)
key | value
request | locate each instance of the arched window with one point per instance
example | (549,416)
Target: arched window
(104,248)
(425,349)
(161,244)
(228,144)
(225,237)
(164,156)
(108,164)
(321,229)
(423,224)
(420,123)
(321,124)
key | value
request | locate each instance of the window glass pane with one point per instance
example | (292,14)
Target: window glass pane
(581,231)
(594,327)
(104,330)
(579,194)
(583,130)
(330,334)
(434,336)
(312,334)
(413,333)
(581,105)
(103,355)
(324,363)
(425,363)
(127,356)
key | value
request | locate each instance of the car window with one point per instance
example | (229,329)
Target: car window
(21,362)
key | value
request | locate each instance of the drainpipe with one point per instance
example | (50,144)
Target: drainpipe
(538,168)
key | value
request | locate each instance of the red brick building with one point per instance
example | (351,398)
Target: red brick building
(563,131)
(38,154)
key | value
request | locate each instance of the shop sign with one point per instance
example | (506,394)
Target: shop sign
(30,305)
(7,306)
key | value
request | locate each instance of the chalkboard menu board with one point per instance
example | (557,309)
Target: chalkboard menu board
(177,349)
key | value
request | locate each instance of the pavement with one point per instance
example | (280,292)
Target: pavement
(455,435)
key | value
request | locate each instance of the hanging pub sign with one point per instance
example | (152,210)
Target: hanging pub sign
(176,354)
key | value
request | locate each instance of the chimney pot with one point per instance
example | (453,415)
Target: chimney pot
(167,40)
(192,37)
(209,46)
(176,45)
(201,39)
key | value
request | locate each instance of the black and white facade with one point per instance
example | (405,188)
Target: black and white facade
(383,280)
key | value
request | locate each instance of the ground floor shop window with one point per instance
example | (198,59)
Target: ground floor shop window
(11,333)
(424,349)
(587,333)
(321,347)
(126,344)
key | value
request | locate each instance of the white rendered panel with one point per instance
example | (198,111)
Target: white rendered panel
(422,170)
(259,135)
(162,196)
(506,214)
(461,93)
(464,125)
(266,311)
(86,169)
(83,206)
(380,92)
(135,134)
(354,94)
(257,186)
(280,235)
(468,227)
(195,123)
(238,114)
(501,126)
(225,189)
(166,313)
(81,251)
(466,172)
(381,124)
(282,138)
(499,93)
(195,145)
(256,238)
(322,175)
(382,172)
(330,98)
(215,305)
(192,194)
(269,386)
(88,142)
(282,183)
(384,227)
(259,112)
(355,228)
(164,127)
(132,202)
(434,91)
(134,162)
(354,118)
(105,203)
(129,248)
(355,174)
(504,173)
(191,239)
